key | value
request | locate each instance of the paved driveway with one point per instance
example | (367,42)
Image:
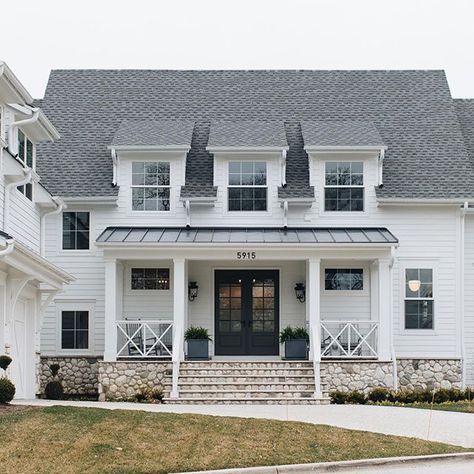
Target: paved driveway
(443,426)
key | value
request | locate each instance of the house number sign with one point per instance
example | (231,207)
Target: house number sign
(246,255)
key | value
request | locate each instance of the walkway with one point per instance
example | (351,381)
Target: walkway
(446,427)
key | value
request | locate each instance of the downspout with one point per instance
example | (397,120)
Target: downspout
(380,166)
(28,178)
(392,345)
(114,166)
(187,205)
(60,206)
(283,168)
(462,216)
(9,248)
(285,214)
(15,125)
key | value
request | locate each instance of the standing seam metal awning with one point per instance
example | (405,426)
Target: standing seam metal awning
(261,235)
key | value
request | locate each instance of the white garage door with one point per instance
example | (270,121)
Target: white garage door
(18,366)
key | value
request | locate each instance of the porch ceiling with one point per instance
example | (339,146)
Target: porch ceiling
(242,235)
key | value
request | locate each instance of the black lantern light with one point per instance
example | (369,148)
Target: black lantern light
(192,290)
(300,291)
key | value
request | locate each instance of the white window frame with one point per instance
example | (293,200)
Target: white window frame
(90,250)
(22,160)
(342,265)
(250,186)
(132,186)
(127,284)
(2,125)
(337,186)
(432,264)
(75,305)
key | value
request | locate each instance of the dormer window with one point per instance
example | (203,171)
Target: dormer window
(344,186)
(26,156)
(247,190)
(150,186)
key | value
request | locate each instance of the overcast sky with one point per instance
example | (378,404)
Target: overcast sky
(40,35)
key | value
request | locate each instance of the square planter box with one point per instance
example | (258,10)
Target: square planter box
(296,349)
(198,349)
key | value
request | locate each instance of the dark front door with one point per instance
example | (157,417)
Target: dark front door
(247,312)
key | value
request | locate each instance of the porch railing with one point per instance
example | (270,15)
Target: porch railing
(144,339)
(349,339)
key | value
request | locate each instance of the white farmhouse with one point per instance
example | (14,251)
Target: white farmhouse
(244,202)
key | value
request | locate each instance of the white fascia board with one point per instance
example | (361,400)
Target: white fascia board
(422,201)
(11,89)
(104,200)
(246,149)
(199,200)
(42,196)
(338,149)
(12,168)
(49,128)
(298,201)
(150,148)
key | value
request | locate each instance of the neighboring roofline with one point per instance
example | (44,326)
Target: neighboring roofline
(14,84)
(90,199)
(358,148)
(156,148)
(247,149)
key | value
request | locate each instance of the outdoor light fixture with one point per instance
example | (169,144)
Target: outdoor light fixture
(192,290)
(300,291)
(414,285)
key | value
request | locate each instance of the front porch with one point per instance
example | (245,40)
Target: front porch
(246,295)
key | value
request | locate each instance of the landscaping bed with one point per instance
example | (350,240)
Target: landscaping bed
(69,440)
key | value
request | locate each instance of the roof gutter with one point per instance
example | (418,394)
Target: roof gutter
(14,125)
(9,248)
(60,205)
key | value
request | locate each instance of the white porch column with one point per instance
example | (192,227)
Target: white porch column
(313,315)
(180,303)
(113,307)
(384,309)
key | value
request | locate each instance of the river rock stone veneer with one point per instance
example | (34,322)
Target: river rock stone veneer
(79,375)
(123,380)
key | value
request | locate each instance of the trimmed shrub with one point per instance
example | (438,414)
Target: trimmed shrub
(54,390)
(356,397)
(456,395)
(338,397)
(441,396)
(5,361)
(142,395)
(468,393)
(379,394)
(157,395)
(424,395)
(404,396)
(7,390)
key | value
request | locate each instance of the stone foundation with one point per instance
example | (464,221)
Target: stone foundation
(429,373)
(356,375)
(120,381)
(79,375)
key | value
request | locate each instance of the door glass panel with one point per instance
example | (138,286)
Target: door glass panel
(263,304)
(230,312)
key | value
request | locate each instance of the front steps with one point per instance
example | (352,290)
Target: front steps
(237,382)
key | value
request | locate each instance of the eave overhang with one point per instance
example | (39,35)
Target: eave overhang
(11,89)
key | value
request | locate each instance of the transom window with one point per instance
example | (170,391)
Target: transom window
(150,279)
(247,189)
(344,186)
(74,329)
(76,231)
(419,298)
(150,186)
(26,156)
(344,279)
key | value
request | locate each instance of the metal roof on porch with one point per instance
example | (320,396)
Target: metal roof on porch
(208,235)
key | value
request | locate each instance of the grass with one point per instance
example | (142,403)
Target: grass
(72,440)
(464,406)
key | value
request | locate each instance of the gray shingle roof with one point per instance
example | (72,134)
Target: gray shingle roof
(164,133)
(247,134)
(412,110)
(465,111)
(348,133)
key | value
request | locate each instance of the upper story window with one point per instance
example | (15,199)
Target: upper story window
(76,231)
(150,186)
(344,186)
(419,298)
(247,190)
(26,156)
(344,279)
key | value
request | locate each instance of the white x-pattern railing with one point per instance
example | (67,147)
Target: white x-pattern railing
(349,339)
(144,339)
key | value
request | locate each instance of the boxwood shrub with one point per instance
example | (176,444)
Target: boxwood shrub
(7,390)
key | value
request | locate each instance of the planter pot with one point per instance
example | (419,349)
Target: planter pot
(296,349)
(198,349)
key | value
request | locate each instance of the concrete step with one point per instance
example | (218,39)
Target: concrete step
(233,387)
(278,364)
(248,401)
(235,378)
(290,393)
(231,371)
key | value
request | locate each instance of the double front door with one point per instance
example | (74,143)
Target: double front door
(246,312)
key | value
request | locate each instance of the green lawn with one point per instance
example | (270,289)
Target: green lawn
(465,407)
(79,440)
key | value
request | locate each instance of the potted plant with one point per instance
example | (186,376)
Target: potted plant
(198,343)
(296,343)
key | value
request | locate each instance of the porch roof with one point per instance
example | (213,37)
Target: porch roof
(241,235)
